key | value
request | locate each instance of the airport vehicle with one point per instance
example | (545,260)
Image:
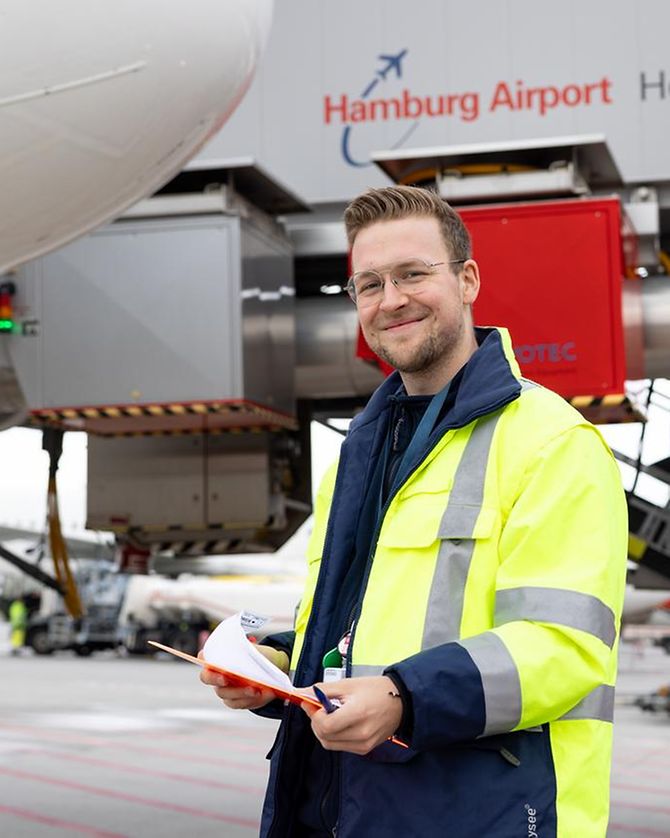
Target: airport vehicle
(102,591)
(177,605)
(124,611)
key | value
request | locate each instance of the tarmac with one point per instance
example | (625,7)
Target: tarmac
(118,747)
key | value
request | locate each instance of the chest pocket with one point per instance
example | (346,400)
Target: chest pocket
(467,521)
(414,521)
(428,517)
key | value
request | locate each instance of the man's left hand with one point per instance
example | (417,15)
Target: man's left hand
(370,714)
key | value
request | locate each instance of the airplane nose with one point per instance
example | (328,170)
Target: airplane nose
(91,124)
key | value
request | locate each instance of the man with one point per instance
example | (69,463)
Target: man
(465,575)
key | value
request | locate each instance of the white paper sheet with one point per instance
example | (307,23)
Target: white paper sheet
(227,646)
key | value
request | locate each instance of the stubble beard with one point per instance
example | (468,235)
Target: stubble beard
(437,348)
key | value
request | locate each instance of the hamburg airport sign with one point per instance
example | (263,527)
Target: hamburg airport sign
(378,102)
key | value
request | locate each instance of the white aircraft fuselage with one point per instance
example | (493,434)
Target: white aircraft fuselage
(102,102)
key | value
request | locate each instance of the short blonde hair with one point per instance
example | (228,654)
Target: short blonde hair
(393,202)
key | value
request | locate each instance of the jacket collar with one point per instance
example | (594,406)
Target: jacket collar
(489,380)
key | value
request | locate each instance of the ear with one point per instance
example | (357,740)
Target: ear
(470,282)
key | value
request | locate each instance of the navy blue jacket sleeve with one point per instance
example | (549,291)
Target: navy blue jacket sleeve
(447,715)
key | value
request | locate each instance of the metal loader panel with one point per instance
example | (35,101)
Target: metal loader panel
(178,484)
(166,311)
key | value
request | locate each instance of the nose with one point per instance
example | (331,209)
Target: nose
(392,297)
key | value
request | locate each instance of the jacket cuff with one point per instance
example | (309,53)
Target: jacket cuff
(447,696)
(406,727)
(273,710)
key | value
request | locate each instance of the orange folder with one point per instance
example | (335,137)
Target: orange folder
(294,697)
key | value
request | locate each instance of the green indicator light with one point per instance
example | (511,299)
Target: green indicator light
(6,326)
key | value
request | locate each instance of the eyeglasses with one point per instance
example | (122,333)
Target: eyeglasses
(366,288)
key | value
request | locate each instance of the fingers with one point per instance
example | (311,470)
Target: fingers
(366,717)
(212,678)
(244,698)
(235,696)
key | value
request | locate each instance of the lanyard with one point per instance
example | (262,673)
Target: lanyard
(416,444)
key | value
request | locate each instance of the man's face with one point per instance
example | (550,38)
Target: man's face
(415,332)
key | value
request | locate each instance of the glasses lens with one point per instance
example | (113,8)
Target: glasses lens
(410,272)
(367,284)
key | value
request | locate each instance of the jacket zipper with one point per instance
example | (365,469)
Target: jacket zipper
(356,612)
(439,433)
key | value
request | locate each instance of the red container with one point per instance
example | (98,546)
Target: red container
(552,273)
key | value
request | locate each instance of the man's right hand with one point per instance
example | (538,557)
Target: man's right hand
(239,697)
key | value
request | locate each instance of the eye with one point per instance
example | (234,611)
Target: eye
(409,272)
(367,284)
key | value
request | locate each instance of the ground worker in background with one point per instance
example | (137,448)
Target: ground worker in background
(18,621)
(466,576)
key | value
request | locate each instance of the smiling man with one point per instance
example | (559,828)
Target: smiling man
(466,576)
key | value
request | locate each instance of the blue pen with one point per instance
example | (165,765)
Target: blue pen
(328,705)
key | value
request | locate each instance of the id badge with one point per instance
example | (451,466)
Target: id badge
(333,673)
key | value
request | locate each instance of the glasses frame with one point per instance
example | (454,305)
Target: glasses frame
(350,287)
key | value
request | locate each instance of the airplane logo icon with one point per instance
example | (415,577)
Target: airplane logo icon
(392,62)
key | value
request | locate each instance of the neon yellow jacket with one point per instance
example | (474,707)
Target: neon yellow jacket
(494,594)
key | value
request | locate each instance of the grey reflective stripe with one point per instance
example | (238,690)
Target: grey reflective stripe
(500,681)
(597,705)
(364,670)
(445,600)
(291,675)
(557,605)
(526,384)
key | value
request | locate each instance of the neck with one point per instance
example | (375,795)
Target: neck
(429,381)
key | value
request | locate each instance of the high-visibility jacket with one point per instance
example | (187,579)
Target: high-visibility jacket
(493,591)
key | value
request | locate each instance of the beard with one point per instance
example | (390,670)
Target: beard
(437,347)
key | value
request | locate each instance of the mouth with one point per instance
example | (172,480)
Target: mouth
(402,325)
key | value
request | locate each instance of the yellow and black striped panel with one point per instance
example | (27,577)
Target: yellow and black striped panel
(250,429)
(613,408)
(171,419)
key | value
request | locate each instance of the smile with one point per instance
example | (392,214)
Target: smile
(403,325)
